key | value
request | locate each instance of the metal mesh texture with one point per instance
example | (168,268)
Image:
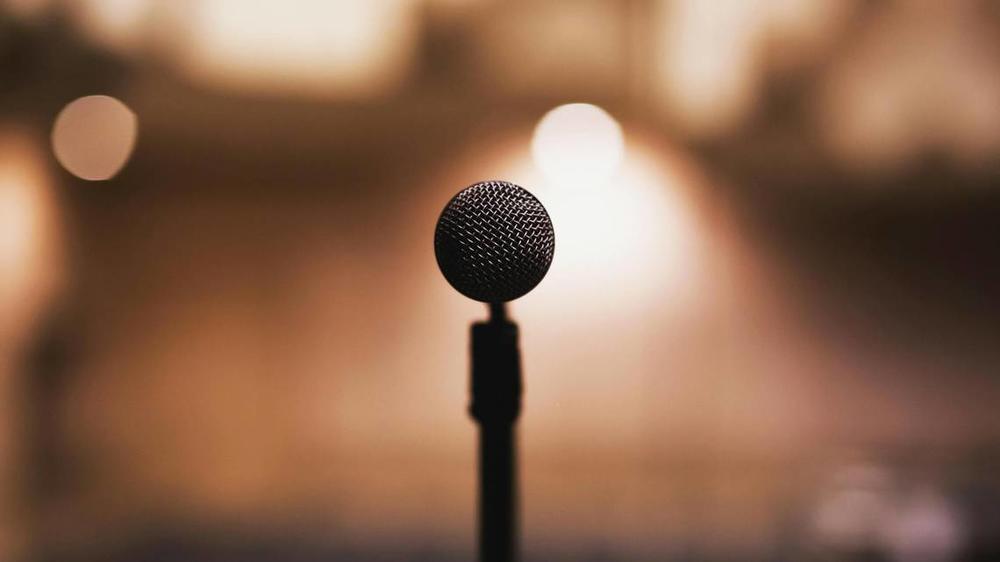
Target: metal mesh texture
(494,241)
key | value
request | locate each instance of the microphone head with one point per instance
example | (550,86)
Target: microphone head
(494,241)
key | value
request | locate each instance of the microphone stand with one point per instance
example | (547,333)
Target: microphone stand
(495,405)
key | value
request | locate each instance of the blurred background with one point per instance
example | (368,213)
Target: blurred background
(769,333)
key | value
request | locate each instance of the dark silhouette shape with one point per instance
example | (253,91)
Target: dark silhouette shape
(494,242)
(496,405)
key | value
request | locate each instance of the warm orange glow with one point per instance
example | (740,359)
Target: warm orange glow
(629,268)
(93,137)
(711,54)
(28,235)
(298,46)
(638,231)
(918,79)
(578,144)
(709,62)
(27,9)
(118,24)
(19,226)
(555,48)
(258,357)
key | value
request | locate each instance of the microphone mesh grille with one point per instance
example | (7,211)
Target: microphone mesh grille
(494,241)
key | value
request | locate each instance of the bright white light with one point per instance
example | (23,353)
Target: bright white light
(118,24)
(639,235)
(630,272)
(349,47)
(93,137)
(629,266)
(711,56)
(708,71)
(578,144)
(641,232)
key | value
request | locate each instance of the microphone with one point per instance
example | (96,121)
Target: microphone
(494,243)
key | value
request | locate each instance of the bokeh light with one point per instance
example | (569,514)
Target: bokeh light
(926,525)
(29,238)
(712,57)
(867,508)
(298,47)
(93,137)
(243,346)
(119,24)
(853,507)
(642,234)
(886,104)
(640,228)
(708,69)
(578,144)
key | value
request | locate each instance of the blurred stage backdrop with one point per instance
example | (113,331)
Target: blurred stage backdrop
(769,333)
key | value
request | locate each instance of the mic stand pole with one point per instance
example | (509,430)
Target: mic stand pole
(496,404)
